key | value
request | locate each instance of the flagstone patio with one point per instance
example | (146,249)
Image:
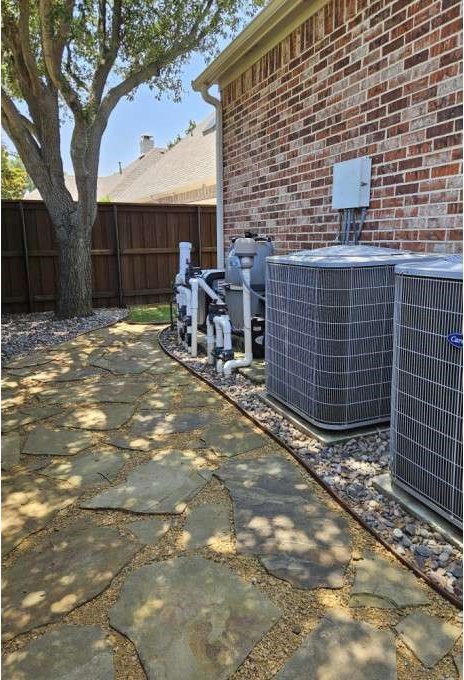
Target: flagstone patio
(150,531)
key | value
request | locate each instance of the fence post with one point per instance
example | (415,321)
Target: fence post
(118,255)
(30,301)
(199,234)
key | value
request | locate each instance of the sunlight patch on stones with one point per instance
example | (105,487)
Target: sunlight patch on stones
(206,525)
(343,649)
(89,469)
(380,584)
(42,441)
(29,503)
(103,417)
(231,439)
(162,486)
(10,450)
(38,589)
(26,416)
(279,520)
(70,652)
(210,637)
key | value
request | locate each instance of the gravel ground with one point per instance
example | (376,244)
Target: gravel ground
(24,333)
(348,468)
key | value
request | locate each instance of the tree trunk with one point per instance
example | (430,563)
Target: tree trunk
(74,274)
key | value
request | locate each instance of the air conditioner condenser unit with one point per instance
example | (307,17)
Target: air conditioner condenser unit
(329,328)
(426,424)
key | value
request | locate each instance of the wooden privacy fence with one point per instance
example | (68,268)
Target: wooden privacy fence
(134,252)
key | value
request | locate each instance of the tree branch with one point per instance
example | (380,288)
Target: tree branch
(52,60)
(108,52)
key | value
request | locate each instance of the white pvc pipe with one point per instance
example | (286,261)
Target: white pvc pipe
(194,304)
(231,365)
(209,291)
(209,341)
(226,327)
(186,294)
(219,340)
(184,258)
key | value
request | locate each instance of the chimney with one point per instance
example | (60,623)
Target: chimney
(147,143)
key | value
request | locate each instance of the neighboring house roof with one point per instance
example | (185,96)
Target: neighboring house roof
(267,29)
(186,173)
(187,166)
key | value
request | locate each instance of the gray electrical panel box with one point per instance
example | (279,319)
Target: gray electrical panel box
(352,183)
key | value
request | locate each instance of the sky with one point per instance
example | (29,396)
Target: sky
(164,119)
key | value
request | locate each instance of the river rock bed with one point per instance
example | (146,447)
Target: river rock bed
(348,469)
(24,333)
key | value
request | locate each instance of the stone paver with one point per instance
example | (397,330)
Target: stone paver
(26,416)
(188,617)
(29,360)
(341,649)
(88,469)
(111,392)
(152,426)
(149,531)
(191,618)
(69,653)
(232,438)
(199,398)
(429,637)
(12,398)
(29,503)
(42,441)
(102,417)
(132,361)
(63,373)
(175,379)
(10,450)
(278,519)
(162,486)
(206,525)
(380,584)
(74,566)
(135,443)
(160,400)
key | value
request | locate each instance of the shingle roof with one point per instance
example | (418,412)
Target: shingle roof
(187,166)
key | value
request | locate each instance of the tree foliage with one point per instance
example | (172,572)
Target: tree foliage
(188,131)
(78,58)
(15,180)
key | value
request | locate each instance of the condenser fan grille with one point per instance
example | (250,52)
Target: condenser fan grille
(329,341)
(426,448)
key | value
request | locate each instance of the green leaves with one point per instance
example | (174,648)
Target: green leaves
(15,179)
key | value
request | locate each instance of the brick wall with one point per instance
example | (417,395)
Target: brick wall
(358,78)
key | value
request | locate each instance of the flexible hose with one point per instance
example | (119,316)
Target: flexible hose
(250,289)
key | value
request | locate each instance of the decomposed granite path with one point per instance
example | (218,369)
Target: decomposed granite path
(150,531)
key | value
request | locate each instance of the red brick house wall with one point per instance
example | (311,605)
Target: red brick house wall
(381,79)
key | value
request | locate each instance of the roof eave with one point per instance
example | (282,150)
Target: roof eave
(270,26)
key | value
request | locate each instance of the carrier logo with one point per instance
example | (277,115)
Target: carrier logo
(455,339)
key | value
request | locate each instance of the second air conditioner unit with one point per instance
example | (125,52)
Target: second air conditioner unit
(426,430)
